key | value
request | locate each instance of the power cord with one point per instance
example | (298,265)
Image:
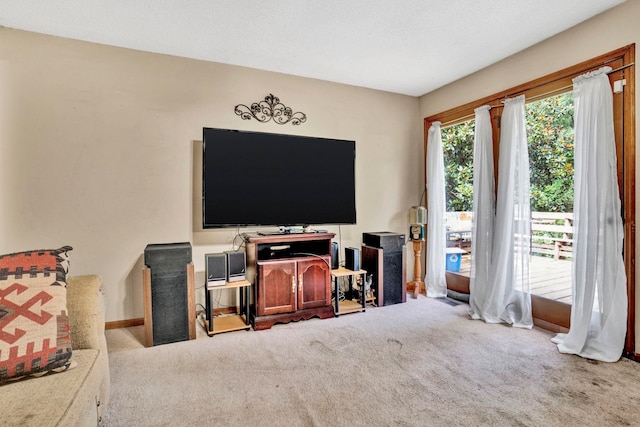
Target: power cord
(314,255)
(233,242)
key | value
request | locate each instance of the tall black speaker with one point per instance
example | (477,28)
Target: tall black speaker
(383,258)
(169,298)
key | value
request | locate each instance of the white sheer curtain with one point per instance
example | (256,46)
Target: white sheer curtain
(509,298)
(599,310)
(435,278)
(484,207)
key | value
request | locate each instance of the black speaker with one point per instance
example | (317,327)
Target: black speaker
(163,257)
(236,266)
(385,240)
(352,259)
(395,286)
(215,269)
(388,273)
(169,291)
(335,257)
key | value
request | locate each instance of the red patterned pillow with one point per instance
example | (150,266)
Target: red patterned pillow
(34,322)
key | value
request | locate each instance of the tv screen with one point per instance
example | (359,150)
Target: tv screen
(265,179)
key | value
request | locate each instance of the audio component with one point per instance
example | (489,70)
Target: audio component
(215,269)
(383,257)
(335,257)
(169,298)
(236,266)
(385,240)
(352,259)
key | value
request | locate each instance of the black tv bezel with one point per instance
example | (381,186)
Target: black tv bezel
(286,226)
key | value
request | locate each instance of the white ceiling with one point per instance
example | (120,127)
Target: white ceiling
(409,47)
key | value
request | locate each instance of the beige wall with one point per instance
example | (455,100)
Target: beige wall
(99,149)
(611,30)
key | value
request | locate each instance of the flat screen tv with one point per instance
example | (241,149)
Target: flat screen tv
(266,179)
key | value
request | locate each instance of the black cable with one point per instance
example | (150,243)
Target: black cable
(315,255)
(233,242)
(340,240)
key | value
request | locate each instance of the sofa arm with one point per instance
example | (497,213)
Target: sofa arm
(85,303)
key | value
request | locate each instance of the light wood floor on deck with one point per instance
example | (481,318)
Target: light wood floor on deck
(548,278)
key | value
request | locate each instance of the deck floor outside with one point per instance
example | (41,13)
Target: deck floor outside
(548,278)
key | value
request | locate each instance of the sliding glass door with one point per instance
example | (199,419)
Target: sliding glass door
(549,111)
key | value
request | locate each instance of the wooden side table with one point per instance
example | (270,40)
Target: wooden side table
(348,306)
(227,323)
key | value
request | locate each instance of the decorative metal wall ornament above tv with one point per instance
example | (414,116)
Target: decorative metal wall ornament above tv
(270,108)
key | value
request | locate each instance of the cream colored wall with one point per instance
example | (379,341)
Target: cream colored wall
(611,30)
(99,149)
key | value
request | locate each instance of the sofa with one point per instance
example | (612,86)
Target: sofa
(78,396)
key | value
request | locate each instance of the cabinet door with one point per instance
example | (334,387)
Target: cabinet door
(276,290)
(314,282)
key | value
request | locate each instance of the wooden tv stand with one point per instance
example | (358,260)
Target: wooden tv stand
(291,276)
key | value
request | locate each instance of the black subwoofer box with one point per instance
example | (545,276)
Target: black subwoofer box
(383,258)
(169,304)
(385,240)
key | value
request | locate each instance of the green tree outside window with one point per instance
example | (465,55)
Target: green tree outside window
(549,124)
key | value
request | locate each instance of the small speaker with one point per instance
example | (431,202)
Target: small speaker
(236,266)
(335,257)
(215,269)
(352,259)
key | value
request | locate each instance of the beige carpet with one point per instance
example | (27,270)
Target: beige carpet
(423,363)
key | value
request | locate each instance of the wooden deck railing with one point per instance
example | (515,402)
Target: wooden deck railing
(552,234)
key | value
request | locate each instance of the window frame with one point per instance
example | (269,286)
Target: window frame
(549,314)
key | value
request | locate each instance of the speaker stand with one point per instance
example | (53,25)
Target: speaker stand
(417,283)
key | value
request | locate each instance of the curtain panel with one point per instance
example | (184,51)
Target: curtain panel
(599,305)
(484,207)
(435,278)
(508,299)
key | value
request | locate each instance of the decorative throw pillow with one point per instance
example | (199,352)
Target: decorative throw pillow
(34,322)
